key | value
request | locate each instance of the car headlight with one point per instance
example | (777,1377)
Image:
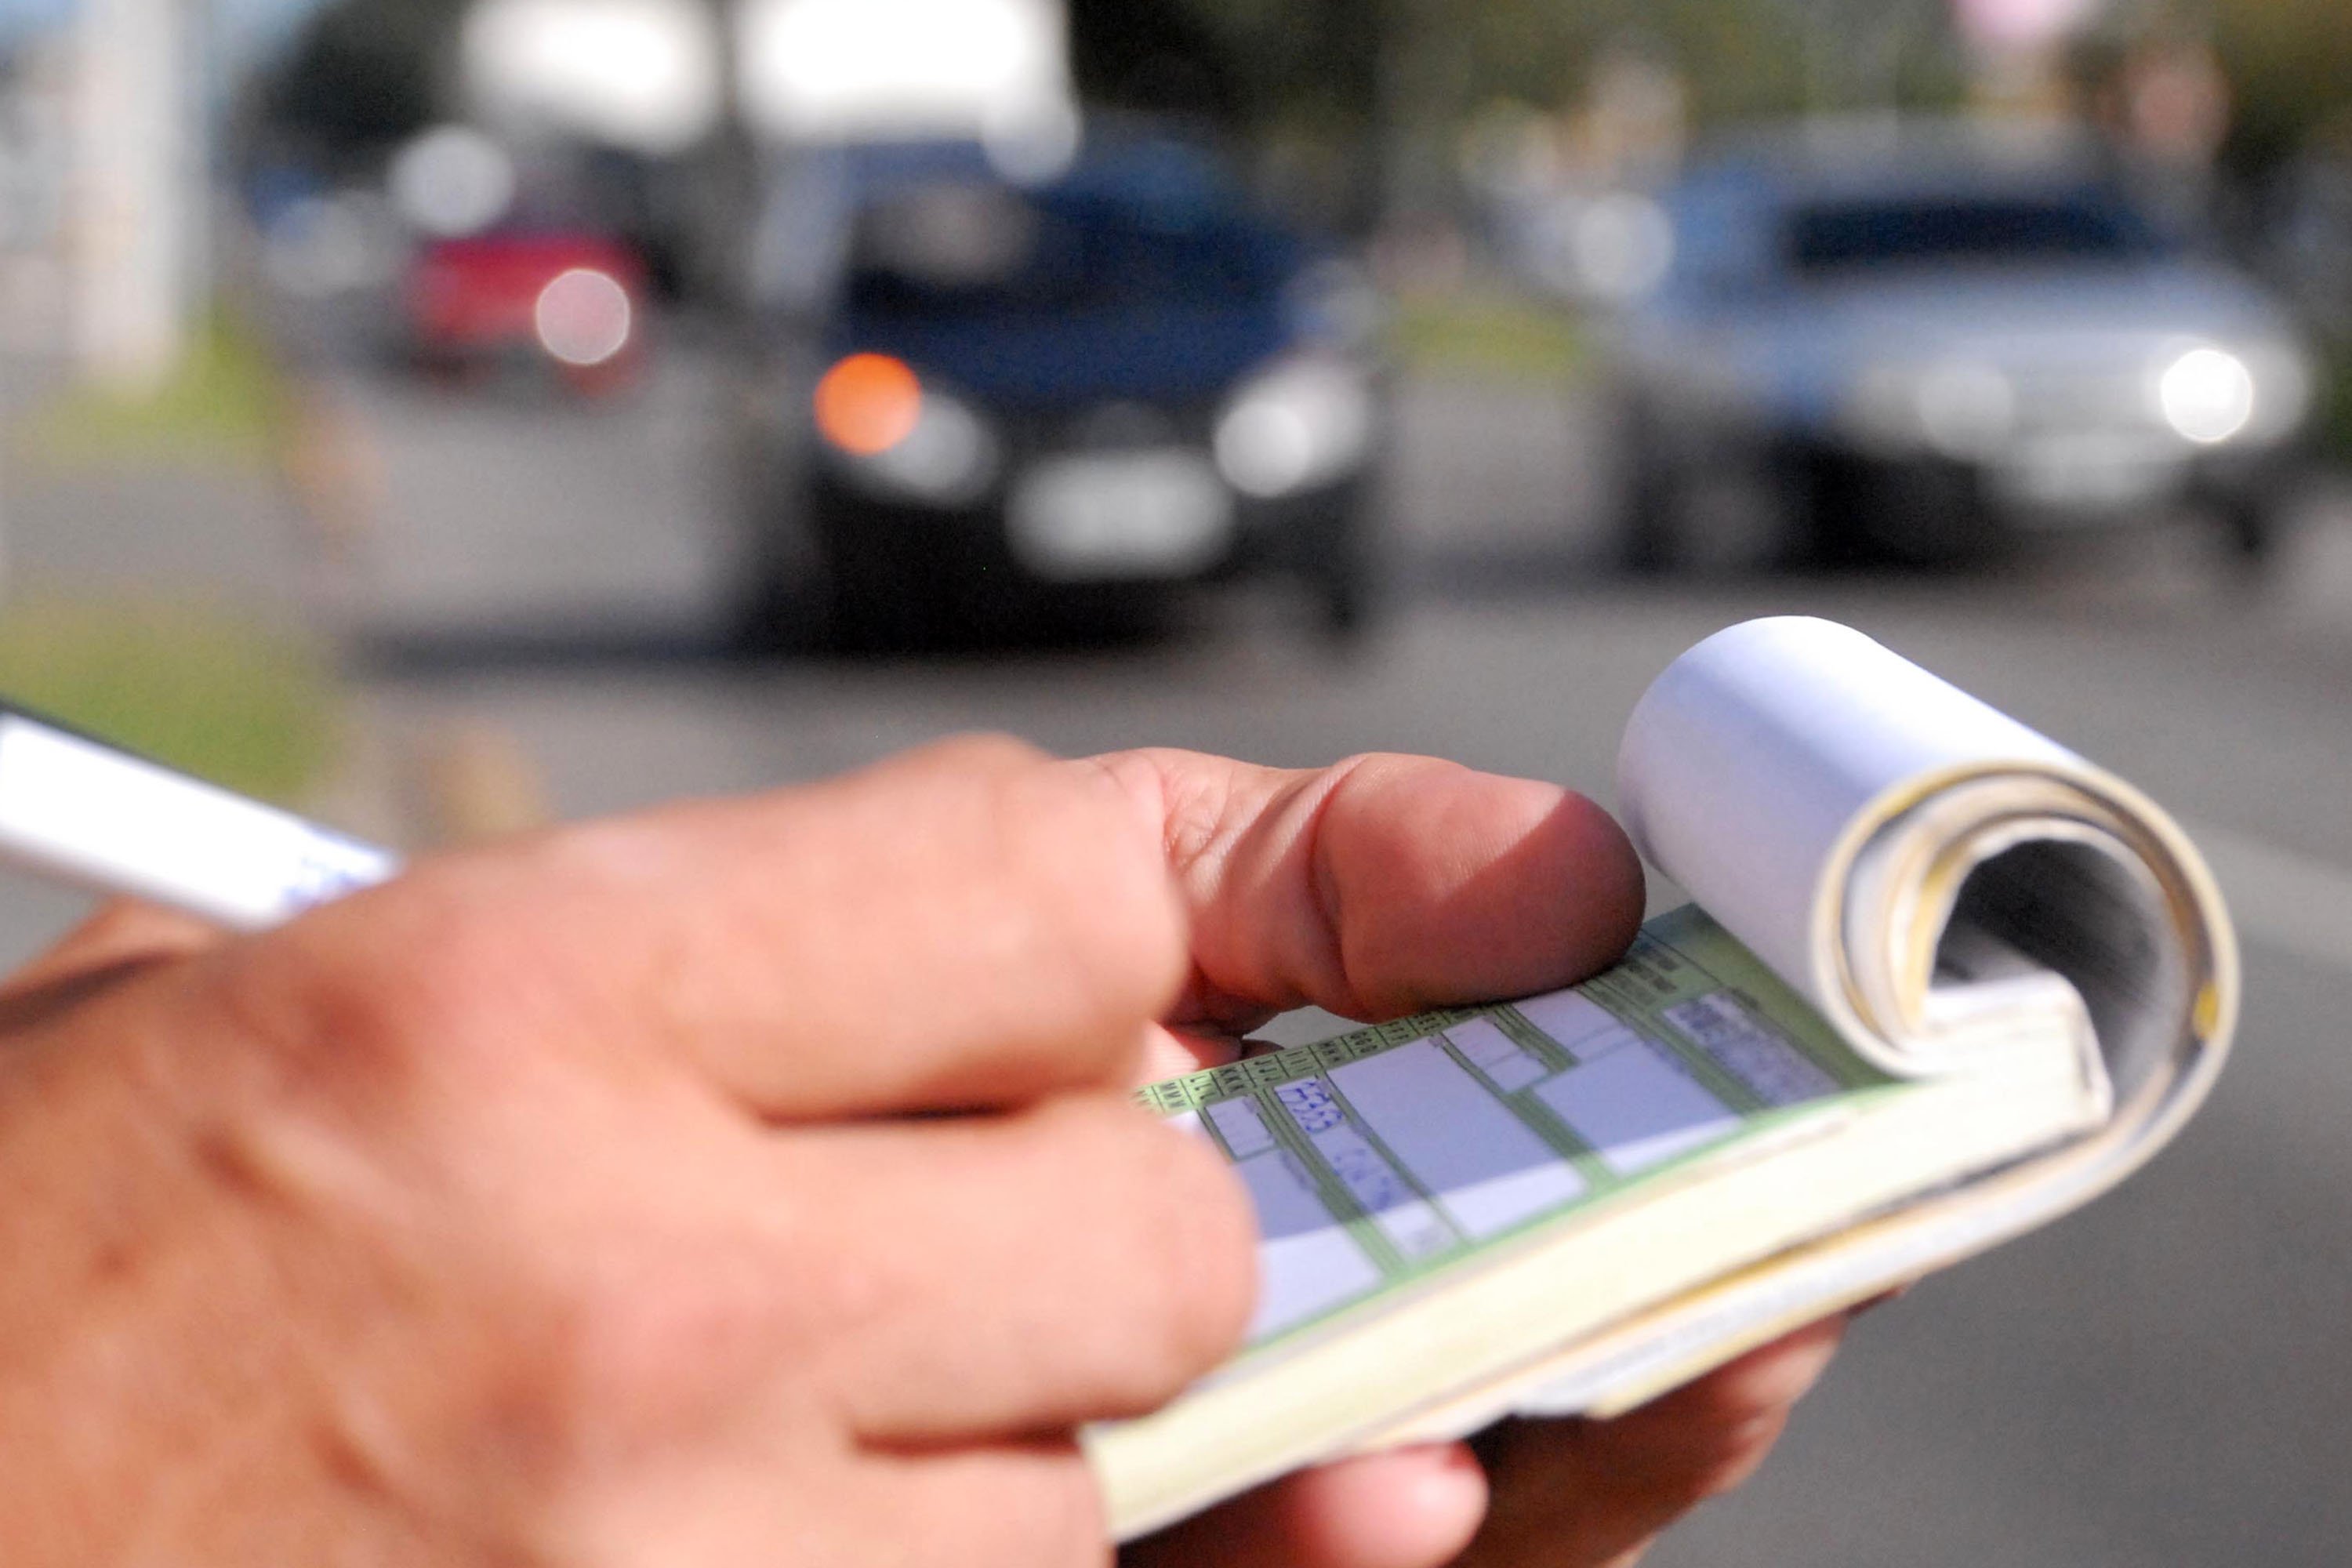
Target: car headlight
(1303,424)
(896,437)
(2258,392)
(2206,395)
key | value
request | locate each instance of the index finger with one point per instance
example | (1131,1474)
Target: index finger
(971,926)
(1380,886)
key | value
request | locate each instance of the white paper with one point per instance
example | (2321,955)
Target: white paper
(1460,1142)
(1759,757)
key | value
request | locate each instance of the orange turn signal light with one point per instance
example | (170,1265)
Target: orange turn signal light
(869,403)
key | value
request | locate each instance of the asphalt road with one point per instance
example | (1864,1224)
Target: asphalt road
(2165,1379)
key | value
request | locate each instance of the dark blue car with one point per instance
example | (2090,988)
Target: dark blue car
(983,398)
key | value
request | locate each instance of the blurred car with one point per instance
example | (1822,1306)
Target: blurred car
(1927,345)
(984,393)
(570,304)
(516,265)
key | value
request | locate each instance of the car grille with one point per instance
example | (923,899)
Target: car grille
(2064,402)
(1126,426)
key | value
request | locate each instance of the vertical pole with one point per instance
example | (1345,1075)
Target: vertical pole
(199,178)
(133,204)
(732,176)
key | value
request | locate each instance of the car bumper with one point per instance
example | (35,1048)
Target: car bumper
(993,546)
(2057,486)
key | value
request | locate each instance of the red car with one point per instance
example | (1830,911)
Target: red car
(572,303)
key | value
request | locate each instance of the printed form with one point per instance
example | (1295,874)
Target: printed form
(1374,1158)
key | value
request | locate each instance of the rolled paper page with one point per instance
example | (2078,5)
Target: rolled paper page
(1850,817)
(1761,760)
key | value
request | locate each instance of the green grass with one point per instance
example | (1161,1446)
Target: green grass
(1492,336)
(253,710)
(222,403)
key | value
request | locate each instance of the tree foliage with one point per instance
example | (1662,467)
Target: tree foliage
(2290,67)
(1363,57)
(363,75)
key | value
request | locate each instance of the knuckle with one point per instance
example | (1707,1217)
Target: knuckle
(638,1351)
(1189,1257)
(1073,833)
(606,1355)
(427,978)
(1076,874)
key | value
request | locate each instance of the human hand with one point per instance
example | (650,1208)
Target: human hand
(579,1201)
(1383,887)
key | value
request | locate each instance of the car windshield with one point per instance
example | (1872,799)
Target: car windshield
(1834,238)
(965,247)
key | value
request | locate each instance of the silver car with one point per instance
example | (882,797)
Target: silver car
(1926,345)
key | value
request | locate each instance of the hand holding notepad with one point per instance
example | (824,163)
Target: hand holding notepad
(608,1090)
(1944,981)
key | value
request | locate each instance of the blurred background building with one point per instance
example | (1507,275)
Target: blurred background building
(446,414)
